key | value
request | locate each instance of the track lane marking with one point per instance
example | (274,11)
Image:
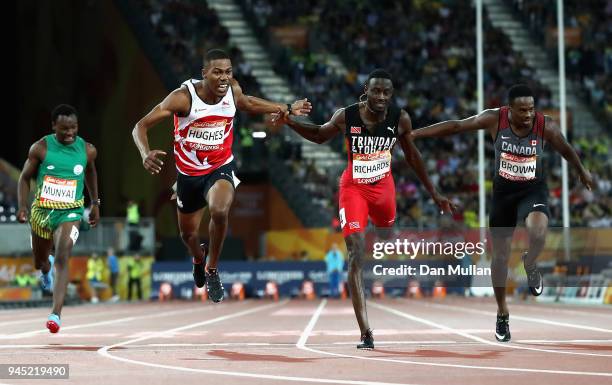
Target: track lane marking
(304,338)
(517,317)
(104,351)
(101,323)
(480,339)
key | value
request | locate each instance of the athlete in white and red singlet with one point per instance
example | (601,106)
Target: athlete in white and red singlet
(367,190)
(203,138)
(204,113)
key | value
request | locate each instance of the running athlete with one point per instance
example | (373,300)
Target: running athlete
(63,163)
(520,192)
(371,127)
(203,112)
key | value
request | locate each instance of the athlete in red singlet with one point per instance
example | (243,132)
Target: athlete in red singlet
(204,113)
(371,129)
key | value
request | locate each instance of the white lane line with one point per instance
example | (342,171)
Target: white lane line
(41,346)
(349,333)
(379,343)
(35,349)
(313,320)
(543,306)
(214,344)
(104,351)
(479,339)
(21,321)
(517,317)
(562,341)
(101,323)
(406,362)
(44,315)
(7,314)
(162,333)
(576,309)
(301,344)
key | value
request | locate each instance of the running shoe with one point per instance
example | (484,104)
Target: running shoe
(46,280)
(534,279)
(53,323)
(367,340)
(199,275)
(214,287)
(502,328)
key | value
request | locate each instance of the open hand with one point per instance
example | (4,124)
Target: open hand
(301,107)
(279,118)
(94,215)
(152,163)
(22,215)
(445,204)
(587,179)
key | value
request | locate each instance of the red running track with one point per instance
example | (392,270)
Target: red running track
(259,342)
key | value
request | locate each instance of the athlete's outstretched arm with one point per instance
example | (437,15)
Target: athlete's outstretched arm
(414,159)
(486,120)
(35,157)
(91,181)
(177,102)
(318,133)
(255,105)
(553,135)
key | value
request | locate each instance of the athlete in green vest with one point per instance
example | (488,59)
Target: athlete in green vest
(62,163)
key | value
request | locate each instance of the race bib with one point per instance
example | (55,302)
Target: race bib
(517,168)
(206,133)
(58,190)
(368,168)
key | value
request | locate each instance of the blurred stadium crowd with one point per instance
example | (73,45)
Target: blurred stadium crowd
(429,51)
(590,63)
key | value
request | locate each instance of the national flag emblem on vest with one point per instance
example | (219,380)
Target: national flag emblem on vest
(355,130)
(534,142)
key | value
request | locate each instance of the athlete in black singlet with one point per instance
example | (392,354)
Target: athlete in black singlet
(519,186)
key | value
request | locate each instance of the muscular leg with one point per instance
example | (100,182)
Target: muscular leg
(537,226)
(41,248)
(63,250)
(499,268)
(219,198)
(189,226)
(355,243)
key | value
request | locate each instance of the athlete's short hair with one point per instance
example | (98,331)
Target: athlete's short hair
(379,73)
(518,91)
(63,110)
(215,54)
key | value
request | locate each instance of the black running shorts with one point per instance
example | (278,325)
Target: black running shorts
(509,206)
(191,191)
